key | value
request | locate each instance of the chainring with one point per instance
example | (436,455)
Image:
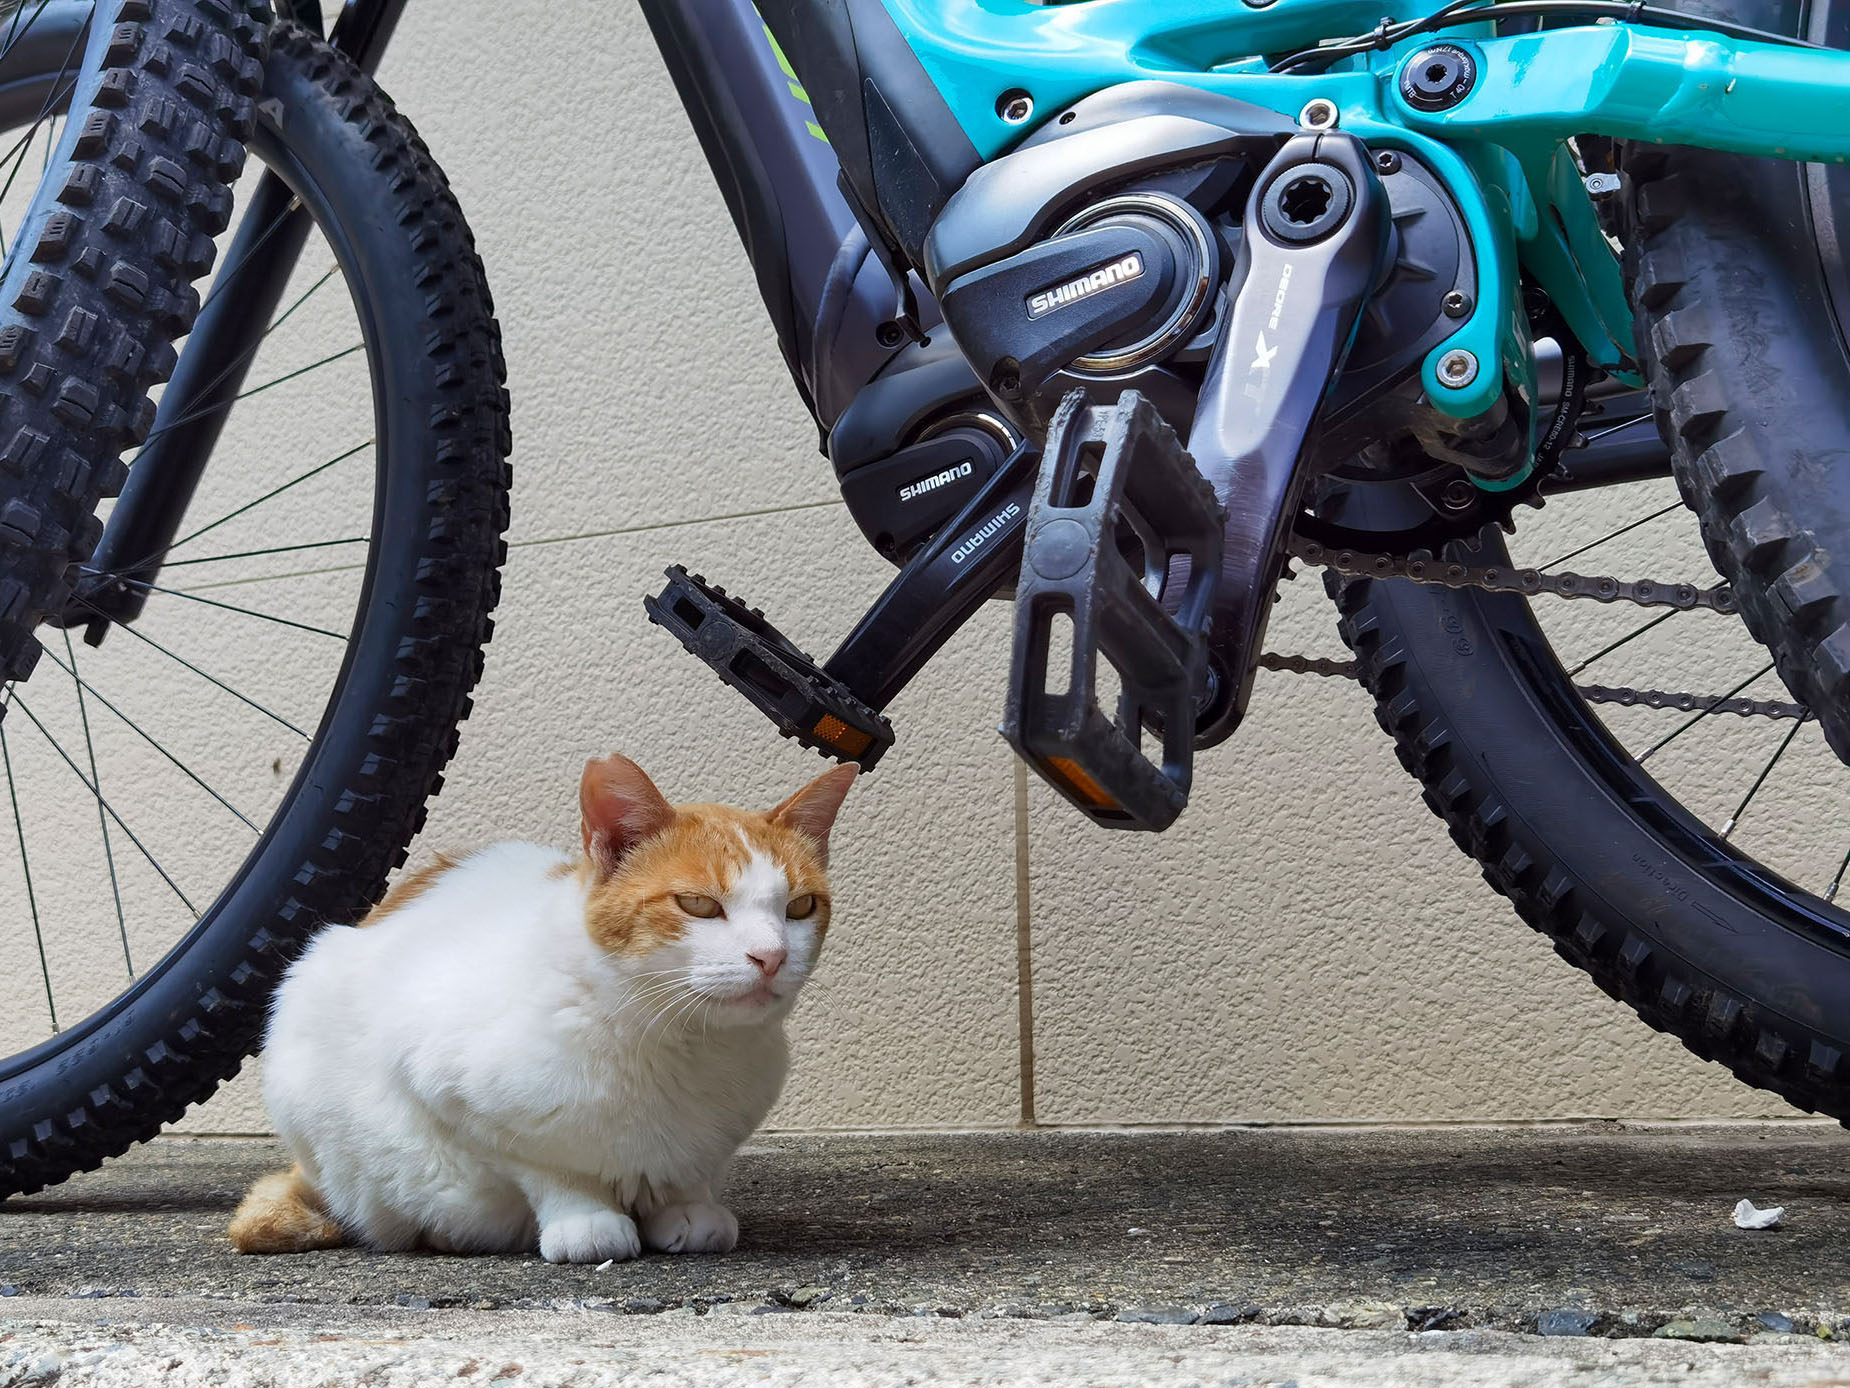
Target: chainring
(1460,509)
(1465,525)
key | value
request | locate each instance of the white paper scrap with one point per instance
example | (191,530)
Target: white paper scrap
(1747,1217)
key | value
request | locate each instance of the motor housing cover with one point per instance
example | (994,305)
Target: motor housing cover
(900,500)
(1121,284)
(915,444)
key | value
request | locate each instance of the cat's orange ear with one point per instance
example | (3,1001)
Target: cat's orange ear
(620,807)
(812,809)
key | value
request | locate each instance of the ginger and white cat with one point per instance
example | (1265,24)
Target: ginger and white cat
(520,1046)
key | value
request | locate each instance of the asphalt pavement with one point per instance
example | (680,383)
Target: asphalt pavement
(1588,1253)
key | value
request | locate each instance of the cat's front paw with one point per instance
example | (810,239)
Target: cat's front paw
(597,1237)
(691,1228)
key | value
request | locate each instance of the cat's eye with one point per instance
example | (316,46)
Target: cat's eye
(703,906)
(801,907)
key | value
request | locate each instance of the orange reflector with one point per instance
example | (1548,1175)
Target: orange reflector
(1074,775)
(840,736)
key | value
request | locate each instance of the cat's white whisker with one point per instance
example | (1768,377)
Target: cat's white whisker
(678,1018)
(681,972)
(658,1022)
(660,995)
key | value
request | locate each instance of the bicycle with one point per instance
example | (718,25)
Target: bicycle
(1114,309)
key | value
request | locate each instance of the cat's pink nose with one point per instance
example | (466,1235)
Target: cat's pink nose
(769,961)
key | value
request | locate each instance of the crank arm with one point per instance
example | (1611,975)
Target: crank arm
(836,708)
(971,556)
(1316,239)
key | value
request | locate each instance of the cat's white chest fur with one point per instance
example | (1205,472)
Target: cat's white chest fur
(449,1072)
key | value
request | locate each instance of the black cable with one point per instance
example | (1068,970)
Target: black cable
(1473,12)
(1630,11)
(1383,36)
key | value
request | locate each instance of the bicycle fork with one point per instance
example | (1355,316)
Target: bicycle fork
(210,373)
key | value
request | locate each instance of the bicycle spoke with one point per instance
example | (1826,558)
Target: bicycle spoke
(225,277)
(233,515)
(52,98)
(211,679)
(1604,651)
(246,611)
(109,854)
(15,31)
(301,299)
(50,104)
(1645,520)
(20,704)
(300,371)
(205,410)
(148,737)
(1719,700)
(25,865)
(274,549)
(14,160)
(16,152)
(1838,881)
(1765,771)
(1598,434)
(249,351)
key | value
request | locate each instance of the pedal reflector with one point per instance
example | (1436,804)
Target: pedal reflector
(756,659)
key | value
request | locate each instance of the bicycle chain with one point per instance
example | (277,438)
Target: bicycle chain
(1691,703)
(1496,578)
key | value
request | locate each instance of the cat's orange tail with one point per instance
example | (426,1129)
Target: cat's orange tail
(283,1213)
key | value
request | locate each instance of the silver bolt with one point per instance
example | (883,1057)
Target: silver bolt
(1319,113)
(1457,369)
(1015,107)
(1602,185)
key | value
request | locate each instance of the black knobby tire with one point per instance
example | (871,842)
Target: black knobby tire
(415,651)
(1743,342)
(1751,387)
(1743,967)
(99,284)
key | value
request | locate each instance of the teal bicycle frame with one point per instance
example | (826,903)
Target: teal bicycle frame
(1502,151)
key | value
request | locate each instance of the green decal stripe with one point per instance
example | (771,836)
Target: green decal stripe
(796,87)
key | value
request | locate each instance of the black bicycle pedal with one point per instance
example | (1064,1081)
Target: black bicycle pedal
(1123,540)
(756,659)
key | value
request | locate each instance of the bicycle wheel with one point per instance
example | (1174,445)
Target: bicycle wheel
(247,755)
(1686,850)
(1634,781)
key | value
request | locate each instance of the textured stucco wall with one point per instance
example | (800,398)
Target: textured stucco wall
(1305,944)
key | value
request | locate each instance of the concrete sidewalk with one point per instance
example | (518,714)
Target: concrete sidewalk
(1363,1256)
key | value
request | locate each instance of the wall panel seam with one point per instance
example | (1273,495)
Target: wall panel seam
(1024,946)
